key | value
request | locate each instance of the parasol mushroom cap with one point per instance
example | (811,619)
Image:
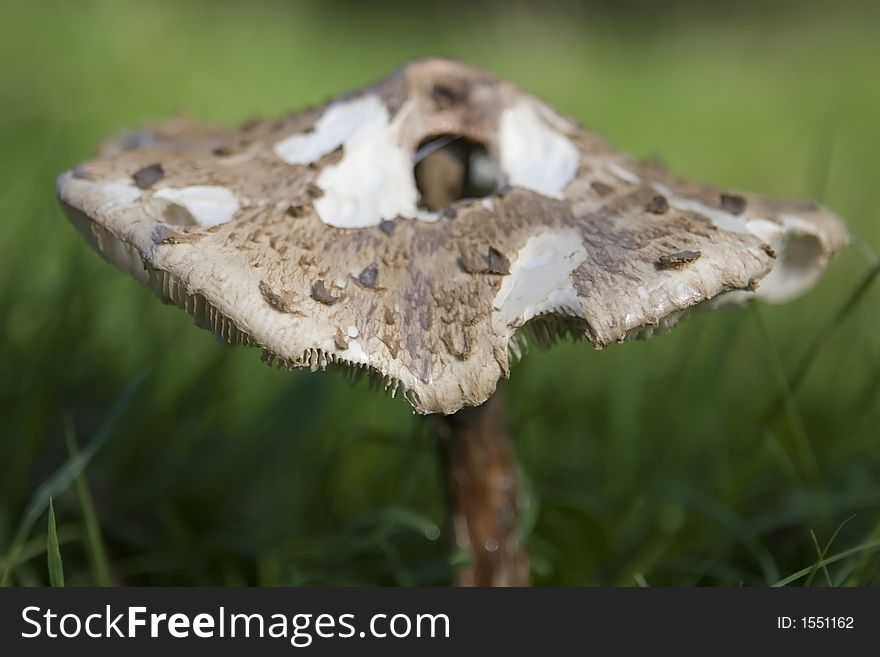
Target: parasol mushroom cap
(352,233)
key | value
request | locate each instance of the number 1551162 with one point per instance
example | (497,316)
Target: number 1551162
(815,623)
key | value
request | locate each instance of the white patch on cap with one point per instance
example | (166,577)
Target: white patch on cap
(355,353)
(115,194)
(352,332)
(540,280)
(208,205)
(336,125)
(119,194)
(533,154)
(374,179)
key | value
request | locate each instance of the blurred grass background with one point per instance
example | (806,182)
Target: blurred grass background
(657,462)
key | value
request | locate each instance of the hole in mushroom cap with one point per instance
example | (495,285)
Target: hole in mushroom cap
(450,167)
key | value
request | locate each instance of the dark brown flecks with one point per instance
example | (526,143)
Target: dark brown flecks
(148,176)
(601,188)
(497,262)
(222,151)
(272,298)
(658,205)
(340,340)
(769,250)
(733,203)
(321,294)
(296,211)
(391,342)
(475,261)
(389,316)
(456,341)
(314,191)
(368,276)
(677,260)
(387,226)
(306,260)
(171,239)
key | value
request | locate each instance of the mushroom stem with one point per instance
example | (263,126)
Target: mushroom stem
(480,472)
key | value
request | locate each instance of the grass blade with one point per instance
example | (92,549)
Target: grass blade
(63,477)
(865,547)
(94,539)
(806,455)
(821,555)
(53,551)
(821,337)
(850,304)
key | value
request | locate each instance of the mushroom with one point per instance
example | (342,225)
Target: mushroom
(423,229)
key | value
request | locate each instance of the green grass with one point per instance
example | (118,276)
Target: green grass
(53,550)
(742,449)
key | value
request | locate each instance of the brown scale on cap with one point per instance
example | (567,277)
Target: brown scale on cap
(677,260)
(658,205)
(148,176)
(292,221)
(271,298)
(296,211)
(602,189)
(733,203)
(321,294)
(368,276)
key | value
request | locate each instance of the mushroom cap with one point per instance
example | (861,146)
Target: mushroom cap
(305,236)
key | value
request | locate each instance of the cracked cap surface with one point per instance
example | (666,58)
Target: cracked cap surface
(309,236)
